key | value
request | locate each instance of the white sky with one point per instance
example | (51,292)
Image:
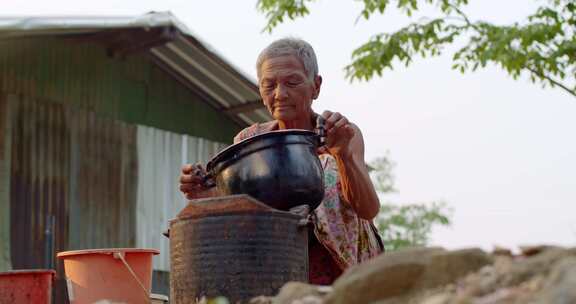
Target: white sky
(501,153)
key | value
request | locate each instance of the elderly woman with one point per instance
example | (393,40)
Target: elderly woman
(343,233)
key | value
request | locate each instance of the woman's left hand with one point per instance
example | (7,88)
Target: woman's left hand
(339,134)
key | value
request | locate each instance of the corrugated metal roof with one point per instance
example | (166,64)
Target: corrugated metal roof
(170,45)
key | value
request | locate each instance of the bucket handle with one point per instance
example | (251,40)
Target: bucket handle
(121,256)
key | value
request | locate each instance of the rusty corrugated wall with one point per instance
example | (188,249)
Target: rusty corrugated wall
(106,183)
(39,184)
(73,168)
(39,180)
(76,166)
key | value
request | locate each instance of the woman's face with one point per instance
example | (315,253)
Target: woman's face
(286,90)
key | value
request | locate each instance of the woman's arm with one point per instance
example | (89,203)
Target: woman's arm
(346,144)
(356,184)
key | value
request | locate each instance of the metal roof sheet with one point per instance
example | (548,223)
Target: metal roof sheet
(169,43)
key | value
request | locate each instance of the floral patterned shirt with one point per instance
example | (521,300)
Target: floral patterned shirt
(348,238)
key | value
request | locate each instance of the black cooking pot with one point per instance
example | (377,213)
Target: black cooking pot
(279,168)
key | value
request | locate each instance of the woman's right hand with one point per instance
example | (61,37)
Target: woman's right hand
(192,182)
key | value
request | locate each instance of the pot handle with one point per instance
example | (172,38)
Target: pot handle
(208,180)
(304,212)
(321,130)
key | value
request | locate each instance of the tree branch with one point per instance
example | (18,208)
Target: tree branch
(555,82)
(466,19)
(461,13)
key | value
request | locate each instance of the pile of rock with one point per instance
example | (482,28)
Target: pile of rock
(541,274)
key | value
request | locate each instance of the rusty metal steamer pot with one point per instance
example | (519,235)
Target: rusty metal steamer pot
(279,168)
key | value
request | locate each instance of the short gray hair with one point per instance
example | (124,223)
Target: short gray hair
(291,46)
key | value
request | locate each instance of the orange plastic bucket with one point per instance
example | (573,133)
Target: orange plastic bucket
(26,286)
(117,275)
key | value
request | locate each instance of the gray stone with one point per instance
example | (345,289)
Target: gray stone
(386,276)
(261,300)
(524,269)
(447,267)
(440,298)
(561,285)
(395,275)
(301,293)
